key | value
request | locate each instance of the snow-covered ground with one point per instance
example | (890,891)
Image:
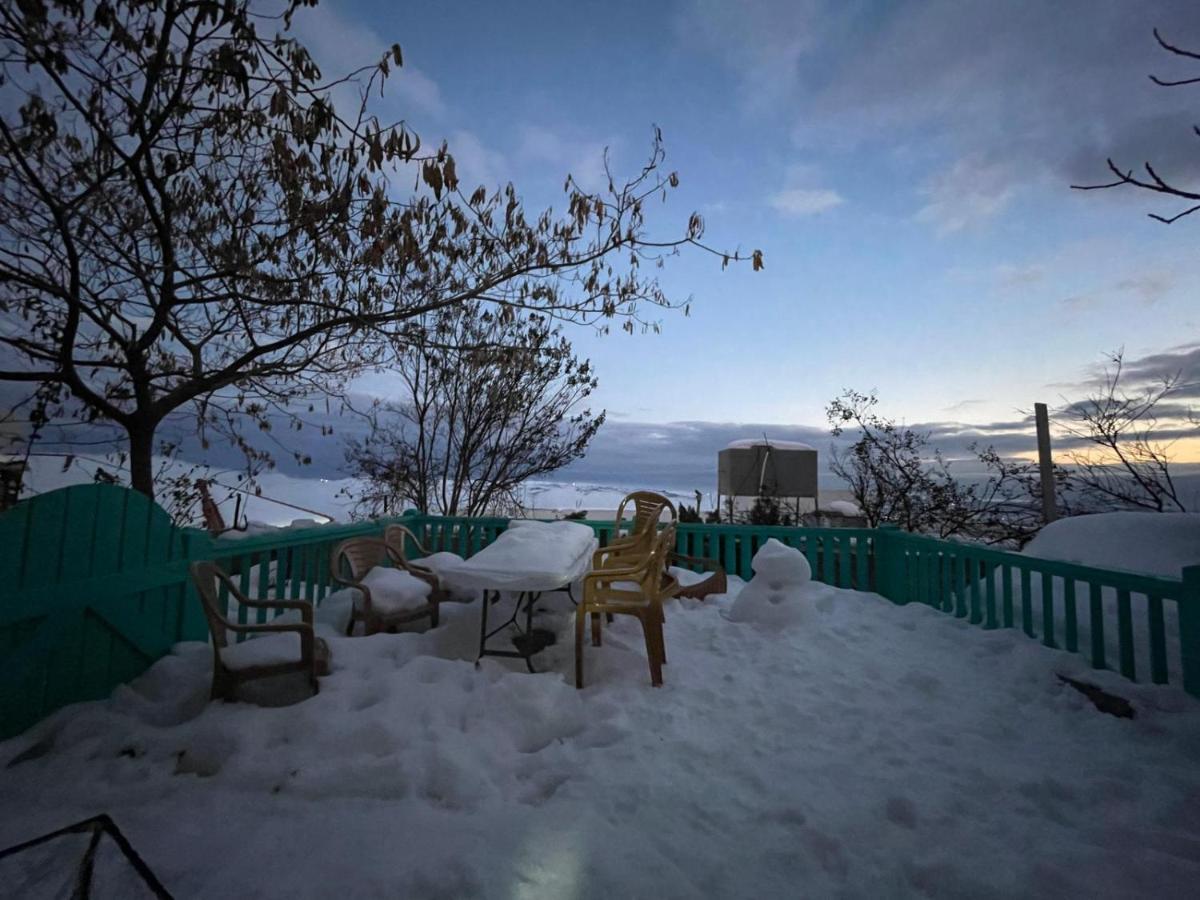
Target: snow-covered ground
(851,748)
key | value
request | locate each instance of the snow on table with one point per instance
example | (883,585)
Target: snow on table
(864,750)
(527,556)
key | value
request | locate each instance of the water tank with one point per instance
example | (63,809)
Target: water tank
(782,468)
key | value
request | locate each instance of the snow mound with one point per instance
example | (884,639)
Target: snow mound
(747,443)
(842,508)
(1152,543)
(780,593)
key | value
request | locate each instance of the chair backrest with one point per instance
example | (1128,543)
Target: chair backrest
(397,538)
(355,557)
(647,510)
(659,558)
(208,577)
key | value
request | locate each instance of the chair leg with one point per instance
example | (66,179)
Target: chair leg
(659,621)
(350,625)
(596,629)
(433,616)
(648,630)
(580,616)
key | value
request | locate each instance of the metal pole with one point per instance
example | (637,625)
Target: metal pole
(1045,464)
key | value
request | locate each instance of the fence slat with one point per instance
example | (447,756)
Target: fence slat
(1048,610)
(1158,640)
(1006,596)
(1027,602)
(1070,625)
(1125,649)
(1096,623)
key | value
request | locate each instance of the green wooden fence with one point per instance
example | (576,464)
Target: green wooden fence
(94,588)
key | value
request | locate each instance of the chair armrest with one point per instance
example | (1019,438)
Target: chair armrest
(306,608)
(304,629)
(417,571)
(267,627)
(710,564)
(617,573)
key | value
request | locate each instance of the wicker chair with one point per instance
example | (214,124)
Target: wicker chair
(261,657)
(354,559)
(637,590)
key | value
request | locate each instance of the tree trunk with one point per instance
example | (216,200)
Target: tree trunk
(141,458)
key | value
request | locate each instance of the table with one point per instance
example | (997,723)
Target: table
(528,559)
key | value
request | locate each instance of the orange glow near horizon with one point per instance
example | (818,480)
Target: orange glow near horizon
(1184,450)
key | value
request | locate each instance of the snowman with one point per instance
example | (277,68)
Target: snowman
(776,596)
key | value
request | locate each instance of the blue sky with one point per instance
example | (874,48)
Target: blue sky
(903,166)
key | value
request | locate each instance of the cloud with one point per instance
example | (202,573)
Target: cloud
(476,163)
(805,201)
(764,41)
(1027,93)
(1146,288)
(971,192)
(340,46)
(566,152)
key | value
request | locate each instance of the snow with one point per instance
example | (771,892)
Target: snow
(842,507)
(528,556)
(746,443)
(394,590)
(781,593)
(1151,543)
(866,750)
(267,650)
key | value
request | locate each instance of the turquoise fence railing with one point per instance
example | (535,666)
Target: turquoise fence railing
(94,588)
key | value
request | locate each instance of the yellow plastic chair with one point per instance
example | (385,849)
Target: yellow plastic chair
(636,590)
(626,549)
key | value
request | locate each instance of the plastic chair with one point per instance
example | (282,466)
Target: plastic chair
(637,590)
(399,538)
(227,673)
(354,559)
(628,548)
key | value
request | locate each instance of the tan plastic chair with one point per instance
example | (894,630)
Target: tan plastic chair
(314,652)
(349,564)
(637,590)
(628,548)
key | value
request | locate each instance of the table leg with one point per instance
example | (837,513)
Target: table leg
(483,617)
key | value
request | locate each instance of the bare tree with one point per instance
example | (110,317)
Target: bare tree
(896,476)
(1125,464)
(1152,180)
(188,223)
(488,403)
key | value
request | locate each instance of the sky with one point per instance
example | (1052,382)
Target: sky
(905,168)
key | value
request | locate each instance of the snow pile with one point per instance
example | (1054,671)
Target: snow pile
(529,555)
(842,508)
(1152,543)
(394,590)
(892,751)
(781,593)
(747,443)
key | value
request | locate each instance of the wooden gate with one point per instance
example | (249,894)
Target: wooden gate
(93,589)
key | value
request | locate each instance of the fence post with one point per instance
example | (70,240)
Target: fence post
(1189,629)
(889,563)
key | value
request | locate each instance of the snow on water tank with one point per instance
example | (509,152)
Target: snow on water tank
(783,468)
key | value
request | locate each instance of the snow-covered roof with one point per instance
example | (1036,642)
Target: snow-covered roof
(746,443)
